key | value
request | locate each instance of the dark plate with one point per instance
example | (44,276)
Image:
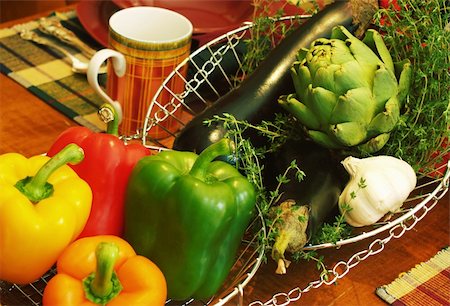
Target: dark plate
(94,16)
(210,18)
(206,15)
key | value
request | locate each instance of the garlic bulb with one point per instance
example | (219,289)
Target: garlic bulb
(377,185)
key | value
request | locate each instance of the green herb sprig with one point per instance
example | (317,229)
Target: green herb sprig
(420,31)
(249,158)
(313,256)
(249,161)
(267,30)
(339,229)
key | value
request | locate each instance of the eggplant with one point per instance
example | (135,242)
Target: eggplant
(255,99)
(324,180)
(315,198)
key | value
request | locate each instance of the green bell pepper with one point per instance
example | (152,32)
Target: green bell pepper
(188,214)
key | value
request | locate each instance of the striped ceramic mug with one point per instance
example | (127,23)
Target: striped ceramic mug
(145,45)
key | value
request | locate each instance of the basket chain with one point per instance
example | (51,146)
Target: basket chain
(342,267)
(210,65)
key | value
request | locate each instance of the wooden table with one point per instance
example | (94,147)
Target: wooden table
(29,126)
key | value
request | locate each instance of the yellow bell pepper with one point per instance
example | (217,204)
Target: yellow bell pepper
(44,206)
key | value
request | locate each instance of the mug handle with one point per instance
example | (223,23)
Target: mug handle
(119,66)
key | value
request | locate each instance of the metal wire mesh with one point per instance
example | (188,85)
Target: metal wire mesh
(214,68)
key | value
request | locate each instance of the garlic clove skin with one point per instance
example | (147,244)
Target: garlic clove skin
(388,180)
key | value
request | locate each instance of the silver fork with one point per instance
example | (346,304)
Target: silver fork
(55,28)
(78,65)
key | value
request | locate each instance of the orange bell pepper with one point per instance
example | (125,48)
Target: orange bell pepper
(105,270)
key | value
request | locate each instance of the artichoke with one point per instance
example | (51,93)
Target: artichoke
(348,92)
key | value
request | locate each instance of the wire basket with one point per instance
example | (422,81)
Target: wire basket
(213,70)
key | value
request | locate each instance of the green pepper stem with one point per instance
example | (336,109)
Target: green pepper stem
(103,285)
(37,188)
(106,255)
(223,147)
(108,115)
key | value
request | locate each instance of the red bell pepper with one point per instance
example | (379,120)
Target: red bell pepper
(106,167)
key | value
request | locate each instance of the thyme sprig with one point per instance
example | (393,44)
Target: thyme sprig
(267,30)
(249,160)
(339,229)
(420,31)
(313,256)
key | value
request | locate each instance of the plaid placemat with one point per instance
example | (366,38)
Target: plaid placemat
(47,74)
(426,284)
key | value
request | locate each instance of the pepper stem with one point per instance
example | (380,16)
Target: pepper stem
(36,188)
(108,114)
(223,147)
(103,285)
